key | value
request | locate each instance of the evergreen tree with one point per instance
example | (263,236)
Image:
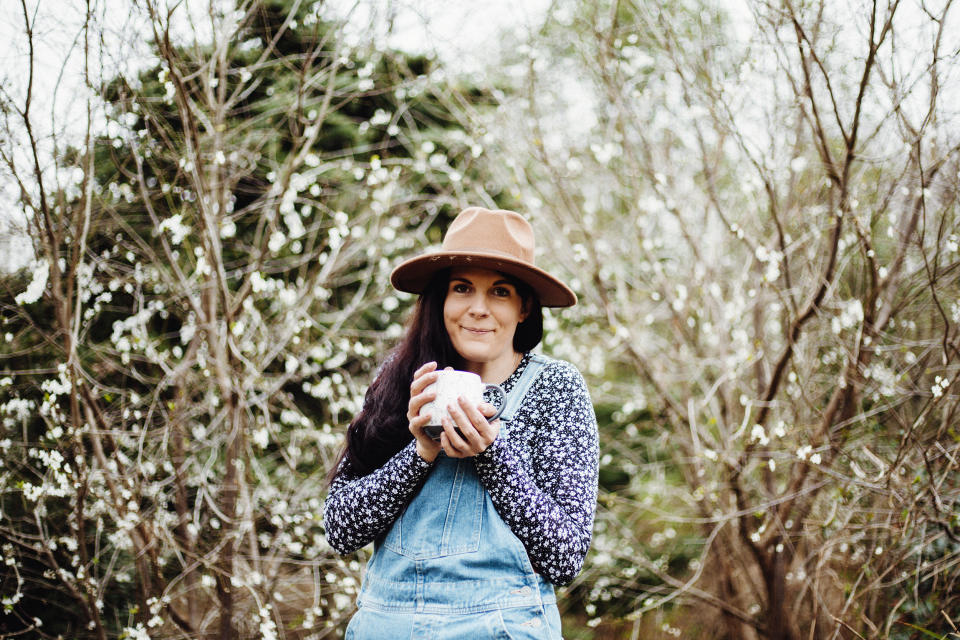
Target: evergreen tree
(216,298)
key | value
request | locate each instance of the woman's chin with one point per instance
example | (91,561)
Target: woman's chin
(473,357)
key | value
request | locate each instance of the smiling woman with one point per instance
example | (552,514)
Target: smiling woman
(481,314)
(470,533)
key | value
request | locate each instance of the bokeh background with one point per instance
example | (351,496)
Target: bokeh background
(756,201)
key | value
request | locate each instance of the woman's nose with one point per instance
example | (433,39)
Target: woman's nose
(478,306)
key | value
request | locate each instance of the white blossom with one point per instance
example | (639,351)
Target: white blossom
(940,385)
(851,315)
(41,270)
(759,435)
(176,227)
(136,633)
(276,242)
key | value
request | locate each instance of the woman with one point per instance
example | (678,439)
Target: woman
(470,533)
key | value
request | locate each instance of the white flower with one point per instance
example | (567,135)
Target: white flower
(203,268)
(277,238)
(758,434)
(288,297)
(380,117)
(780,430)
(939,386)
(41,270)
(228,229)
(294,224)
(258,283)
(851,315)
(136,633)
(342,601)
(174,224)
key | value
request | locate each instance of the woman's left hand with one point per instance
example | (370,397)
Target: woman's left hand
(478,434)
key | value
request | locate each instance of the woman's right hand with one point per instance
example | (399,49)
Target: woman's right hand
(427,448)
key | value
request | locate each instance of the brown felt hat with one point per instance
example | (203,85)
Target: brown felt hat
(499,240)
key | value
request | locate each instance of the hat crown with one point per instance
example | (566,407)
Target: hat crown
(499,240)
(498,231)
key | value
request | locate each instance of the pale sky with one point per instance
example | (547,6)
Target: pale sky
(464,34)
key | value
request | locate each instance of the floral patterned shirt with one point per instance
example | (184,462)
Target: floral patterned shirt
(541,477)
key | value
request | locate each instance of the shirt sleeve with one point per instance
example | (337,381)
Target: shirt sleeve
(551,510)
(360,508)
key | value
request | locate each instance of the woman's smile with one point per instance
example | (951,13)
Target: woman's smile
(482,335)
(478,331)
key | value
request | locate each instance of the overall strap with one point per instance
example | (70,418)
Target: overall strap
(527,378)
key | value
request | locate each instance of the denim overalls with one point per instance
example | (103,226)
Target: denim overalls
(449,567)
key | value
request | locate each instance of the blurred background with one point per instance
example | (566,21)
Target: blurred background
(200,205)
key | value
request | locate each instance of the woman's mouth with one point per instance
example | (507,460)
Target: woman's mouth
(478,331)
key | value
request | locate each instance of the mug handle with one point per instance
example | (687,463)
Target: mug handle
(503,400)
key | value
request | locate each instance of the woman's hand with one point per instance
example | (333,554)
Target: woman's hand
(427,448)
(478,434)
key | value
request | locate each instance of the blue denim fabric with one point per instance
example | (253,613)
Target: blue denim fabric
(449,567)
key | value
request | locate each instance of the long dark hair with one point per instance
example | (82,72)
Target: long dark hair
(381,428)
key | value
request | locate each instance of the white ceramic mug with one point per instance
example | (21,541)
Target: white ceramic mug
(450,386)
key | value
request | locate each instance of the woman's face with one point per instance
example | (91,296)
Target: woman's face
(481,313)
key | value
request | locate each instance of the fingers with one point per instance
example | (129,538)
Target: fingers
(425,368)
(477,416)
(487,409)
(427,448)
(422,378)
(452,443)
(418,422)
(417,401)
(477,433)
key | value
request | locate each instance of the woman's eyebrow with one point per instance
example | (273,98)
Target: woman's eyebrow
(496,283)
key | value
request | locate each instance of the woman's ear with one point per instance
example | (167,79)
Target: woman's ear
(525,309)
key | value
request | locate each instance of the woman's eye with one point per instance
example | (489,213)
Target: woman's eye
(460,288)
(501,292)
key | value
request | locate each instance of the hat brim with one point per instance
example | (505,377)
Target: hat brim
(414,275)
